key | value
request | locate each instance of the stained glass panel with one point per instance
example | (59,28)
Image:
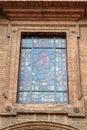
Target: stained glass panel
(61,70)
(61,97)
(25,73)
(24,97)
(43,71)
(60,42)
(43,42)
(43,97)
(27,42)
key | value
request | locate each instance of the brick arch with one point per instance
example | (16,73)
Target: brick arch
(40,126)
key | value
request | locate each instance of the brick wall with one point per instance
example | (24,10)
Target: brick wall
(9,55)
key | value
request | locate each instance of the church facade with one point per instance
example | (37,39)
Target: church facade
(43,65)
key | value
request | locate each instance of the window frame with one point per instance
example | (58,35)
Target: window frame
(75,108)
(47,35)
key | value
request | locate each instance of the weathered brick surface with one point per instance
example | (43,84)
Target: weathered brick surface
(9,59)
(4,43)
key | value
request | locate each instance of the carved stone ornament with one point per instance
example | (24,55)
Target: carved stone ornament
(8,108)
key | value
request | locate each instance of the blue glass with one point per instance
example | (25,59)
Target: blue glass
(43,69)
(43,97)
(60,42)
(25,85)
(24,97)
(61,97)
(43,42)
(27,42)
(25,74)
(61,70)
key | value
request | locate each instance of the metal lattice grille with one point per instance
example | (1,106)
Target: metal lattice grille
(43,70)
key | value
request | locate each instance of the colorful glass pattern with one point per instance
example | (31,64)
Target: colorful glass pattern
(24,97)
(43,71)
(61,70)
(43,97)
(25,70)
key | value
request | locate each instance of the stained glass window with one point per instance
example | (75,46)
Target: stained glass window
(43,70)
